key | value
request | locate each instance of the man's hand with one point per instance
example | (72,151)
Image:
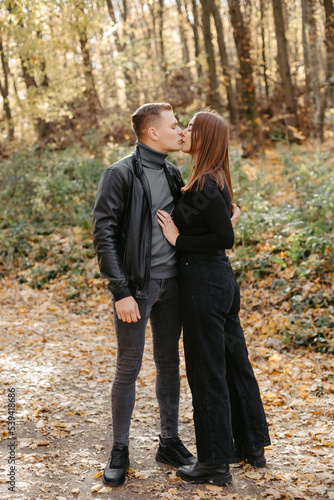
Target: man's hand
(127,310)
(235,215)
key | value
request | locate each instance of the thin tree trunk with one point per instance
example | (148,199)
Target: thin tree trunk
(163,63)
(264,58)
(283,64)
(231,97)
(90,91)
(194,26)
(111,11)
(121,48)
(42,127)
(314,59)
(154,29)
(213,98)
(329,89)
(4,89)
(329,32)
(251,133)
(306,50)
(183,37)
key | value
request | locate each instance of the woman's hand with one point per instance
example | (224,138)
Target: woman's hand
(236,212)
(169,229)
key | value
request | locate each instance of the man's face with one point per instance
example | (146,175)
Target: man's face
(170,135)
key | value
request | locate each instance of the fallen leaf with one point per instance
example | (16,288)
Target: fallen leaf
(253,474)
(200,493)
(96,488)
(213,487)
(105,489)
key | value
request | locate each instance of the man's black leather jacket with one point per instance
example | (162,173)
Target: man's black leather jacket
(123,225)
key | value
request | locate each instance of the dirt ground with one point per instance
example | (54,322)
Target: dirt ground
(59,357)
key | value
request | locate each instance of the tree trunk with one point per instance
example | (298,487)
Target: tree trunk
(231,97)
(329,89)
(184,43)
(264,58)
(111,11)
(4,89)
(121,47)
(213,98)
(194,26)
(251,133)
(90,91)
(283,64)
(42,127)
(306,51)
(154,29)
(163,64)
(329,32)
(314,59)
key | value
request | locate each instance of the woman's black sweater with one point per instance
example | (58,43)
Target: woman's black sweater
(203,219)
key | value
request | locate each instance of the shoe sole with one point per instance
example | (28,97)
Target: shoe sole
(165,459)
(218,480)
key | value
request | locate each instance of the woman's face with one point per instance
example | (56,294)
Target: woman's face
(186,145)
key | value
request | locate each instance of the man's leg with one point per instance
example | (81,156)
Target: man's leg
(166,330)
(130,347)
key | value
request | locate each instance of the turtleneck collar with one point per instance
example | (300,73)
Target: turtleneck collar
(149,156)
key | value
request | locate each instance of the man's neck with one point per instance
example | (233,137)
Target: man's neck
(154,146)
(150,156)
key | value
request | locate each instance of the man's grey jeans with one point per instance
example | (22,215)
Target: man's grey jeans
(162,308)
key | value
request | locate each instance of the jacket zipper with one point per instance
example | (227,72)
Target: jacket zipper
(147,194)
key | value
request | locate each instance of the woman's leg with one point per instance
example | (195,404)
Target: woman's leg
(206,296)
(249,423)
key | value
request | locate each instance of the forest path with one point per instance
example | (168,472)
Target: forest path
(59,356)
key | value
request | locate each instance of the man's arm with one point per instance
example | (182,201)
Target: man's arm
(108,217)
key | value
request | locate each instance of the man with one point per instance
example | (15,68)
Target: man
(142,271)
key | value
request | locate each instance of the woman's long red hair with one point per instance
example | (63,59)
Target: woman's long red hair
(209,139)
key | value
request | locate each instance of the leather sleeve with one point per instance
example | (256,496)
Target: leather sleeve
(107,230)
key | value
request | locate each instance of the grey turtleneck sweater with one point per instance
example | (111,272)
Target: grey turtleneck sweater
(163,260)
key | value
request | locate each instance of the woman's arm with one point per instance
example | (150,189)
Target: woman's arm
(220,233)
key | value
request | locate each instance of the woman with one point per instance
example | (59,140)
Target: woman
(230,423)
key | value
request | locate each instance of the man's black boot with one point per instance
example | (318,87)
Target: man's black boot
(114,473)
(172,451)
(255,457)
(205,473)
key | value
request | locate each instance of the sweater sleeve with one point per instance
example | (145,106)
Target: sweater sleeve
(220,234)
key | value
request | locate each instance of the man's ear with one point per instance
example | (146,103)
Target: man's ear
(152,133)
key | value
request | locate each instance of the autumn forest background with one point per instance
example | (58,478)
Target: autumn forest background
(71,74)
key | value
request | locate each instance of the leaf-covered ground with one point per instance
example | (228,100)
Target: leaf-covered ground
(58,342)
(61,360)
